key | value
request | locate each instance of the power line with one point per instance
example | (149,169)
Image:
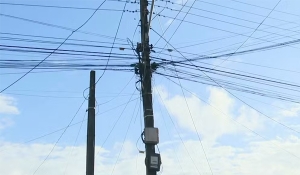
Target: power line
(56,6)
(58,26)
(126,133)
(54,50)
(264,8)
(235,121)
(176,129)
(113,42)
(252,32)
(274,120)
(59,138)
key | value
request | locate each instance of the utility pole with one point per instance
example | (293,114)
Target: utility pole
(152,159)
(90,150)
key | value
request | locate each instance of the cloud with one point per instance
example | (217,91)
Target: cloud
(294,111)
(8,105)
(260,157)
(5,122)
(212,119)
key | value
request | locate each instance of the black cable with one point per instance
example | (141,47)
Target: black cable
(171,21)
(126,133)
(58,26)
(71,125)
(236,121)
(252,32)
(198,135)
(58,139)
(224,30)
(56,6)
(232,23)
(265,8)
(181,21)
(113,42)
(116,122)
(56,42)
(231,8)
(54,50)
(274,120)
(59,38)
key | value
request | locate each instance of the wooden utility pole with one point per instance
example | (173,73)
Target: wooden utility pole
(90,151)
(146,87)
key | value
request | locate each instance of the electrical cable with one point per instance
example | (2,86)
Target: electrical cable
(235,121)
(56,6)
(265,8)
(48,155)
(74,124)
(76,138)
(171,21)
(274,120)
(124,139)
(113,42)
(252,32)
(54,50)
(176,129)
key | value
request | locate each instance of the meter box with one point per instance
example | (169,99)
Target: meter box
(153,162)
(151,136)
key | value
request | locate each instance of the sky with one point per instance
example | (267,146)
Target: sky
(204,128)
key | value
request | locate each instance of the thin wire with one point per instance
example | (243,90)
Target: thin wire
(55,6)
(198,135)
(124,138)
(176,129)
(236,121)
(53,132)
(58,139)
(54,50)
(79,130)
(231,92)
(113,42)
(171,21)
(57,26)
(265,8)
(181,21)
(251,33)
(115,123)
(169,137)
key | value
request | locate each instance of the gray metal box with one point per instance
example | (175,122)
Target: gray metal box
(151,135)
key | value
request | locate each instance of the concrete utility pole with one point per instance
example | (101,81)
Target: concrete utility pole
(150,133)
(90,150)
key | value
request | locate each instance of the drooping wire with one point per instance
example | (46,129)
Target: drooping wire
(119,24)
(274,120)
(126,133)
(234,120)
(54,50)
(251,33)
(52,149)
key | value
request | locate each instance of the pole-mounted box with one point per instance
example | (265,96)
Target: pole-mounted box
(151,136)
(153,162)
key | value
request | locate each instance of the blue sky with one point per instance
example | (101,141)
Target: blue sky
(236,138)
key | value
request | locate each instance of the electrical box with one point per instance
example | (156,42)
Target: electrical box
(151,136)
(153,162)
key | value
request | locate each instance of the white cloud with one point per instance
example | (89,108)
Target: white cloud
(293,111)
(8,105)
(5,122)
(260,157)
(212,120)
